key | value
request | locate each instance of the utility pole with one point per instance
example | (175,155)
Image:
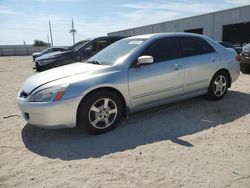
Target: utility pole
(48,40)
(51,38)
(73,31)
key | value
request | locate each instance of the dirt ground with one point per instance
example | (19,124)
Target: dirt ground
(193,143)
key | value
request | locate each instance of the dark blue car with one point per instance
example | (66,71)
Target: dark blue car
(76,53)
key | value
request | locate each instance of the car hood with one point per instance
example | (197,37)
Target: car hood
(52,55)
(45,77)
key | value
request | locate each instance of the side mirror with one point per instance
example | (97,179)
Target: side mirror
(145,59)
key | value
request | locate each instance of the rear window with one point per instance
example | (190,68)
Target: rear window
(191,46)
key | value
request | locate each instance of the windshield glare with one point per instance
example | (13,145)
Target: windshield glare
(116,52)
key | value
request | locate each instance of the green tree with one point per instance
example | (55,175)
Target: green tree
(40,43)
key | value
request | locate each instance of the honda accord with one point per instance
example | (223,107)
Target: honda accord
(132,74)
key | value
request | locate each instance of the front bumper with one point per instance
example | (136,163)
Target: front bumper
(53,114)
(41,68)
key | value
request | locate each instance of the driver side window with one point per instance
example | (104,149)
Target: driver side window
(162,49)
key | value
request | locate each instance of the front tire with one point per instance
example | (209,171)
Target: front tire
(218,86)
(100,112)
(39,68)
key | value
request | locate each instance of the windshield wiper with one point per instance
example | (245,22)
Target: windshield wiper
(94,62)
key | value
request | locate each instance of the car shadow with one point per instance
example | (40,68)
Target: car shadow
(169,122)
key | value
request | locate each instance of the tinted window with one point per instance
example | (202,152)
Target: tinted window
(100,45)
(56,49)
(191,46)
(226,44)
(112,40)
(97,45)
(162,49)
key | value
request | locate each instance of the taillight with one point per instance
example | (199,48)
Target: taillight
(238,58)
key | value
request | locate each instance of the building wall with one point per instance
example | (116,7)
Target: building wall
(204,21)
(212,23)
(232,16)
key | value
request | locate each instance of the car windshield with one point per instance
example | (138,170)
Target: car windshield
(116,52)
(77,45)
(46,50)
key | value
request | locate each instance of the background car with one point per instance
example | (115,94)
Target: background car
(238,49)
(46,51)
(130,75)
(74,54)
(245,59)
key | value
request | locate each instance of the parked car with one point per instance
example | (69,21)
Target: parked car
(238,49)
(46,51)
(75,54)
(245,59)
(132,74)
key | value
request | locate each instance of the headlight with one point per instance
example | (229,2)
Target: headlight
(46,61)
(49,94)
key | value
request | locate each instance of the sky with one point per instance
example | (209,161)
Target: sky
(27,20)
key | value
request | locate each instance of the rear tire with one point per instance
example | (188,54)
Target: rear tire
(100,112)
(218,86)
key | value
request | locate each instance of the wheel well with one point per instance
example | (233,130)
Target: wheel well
(118,93)
(228,74)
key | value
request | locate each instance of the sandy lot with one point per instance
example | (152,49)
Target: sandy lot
(193,143)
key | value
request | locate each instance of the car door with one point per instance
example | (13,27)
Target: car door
(200,61)
(154,83)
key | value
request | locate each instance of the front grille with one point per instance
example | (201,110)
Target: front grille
(23,94)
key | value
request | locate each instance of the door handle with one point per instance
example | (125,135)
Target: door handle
(212,59)
(177,66)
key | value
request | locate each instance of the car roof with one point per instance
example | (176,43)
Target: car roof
(108,37)
(170,34)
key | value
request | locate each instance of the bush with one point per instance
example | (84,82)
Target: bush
(40,43)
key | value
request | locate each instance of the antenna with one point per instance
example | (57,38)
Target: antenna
(73,31)
(51,38)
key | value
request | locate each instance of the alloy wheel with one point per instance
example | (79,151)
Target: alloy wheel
(103,113)
(220,85)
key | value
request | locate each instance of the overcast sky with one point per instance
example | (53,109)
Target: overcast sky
(28,19)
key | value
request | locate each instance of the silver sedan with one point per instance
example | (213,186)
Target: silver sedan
(132,74)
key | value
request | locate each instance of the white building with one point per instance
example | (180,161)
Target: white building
(231,25)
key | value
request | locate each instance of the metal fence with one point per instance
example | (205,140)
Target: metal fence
(16,50)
